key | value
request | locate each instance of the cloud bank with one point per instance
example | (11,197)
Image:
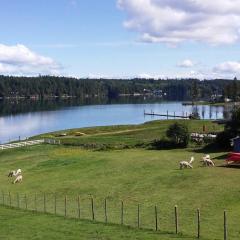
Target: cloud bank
(186,64)
(229,67)
(175,21)
(20,60)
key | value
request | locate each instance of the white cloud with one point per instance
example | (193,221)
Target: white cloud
(187,63)
(20,60)
(228,67)
(187,74)
(174,21)
(150,76)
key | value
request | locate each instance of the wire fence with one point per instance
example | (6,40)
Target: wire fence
(129,213)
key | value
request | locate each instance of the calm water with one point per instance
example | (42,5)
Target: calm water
(25,124)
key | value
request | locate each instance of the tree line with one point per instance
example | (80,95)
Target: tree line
(171,89)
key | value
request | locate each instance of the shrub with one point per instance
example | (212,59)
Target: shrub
(178,134)
(163,144)
(223,140)
(232,129)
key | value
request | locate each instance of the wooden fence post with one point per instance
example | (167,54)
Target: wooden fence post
(65,206)
(35,202)
(122,213)
(225,225)
(10,200)
(138,216)
(105,210)
(44,203)
(198,223)
(79,207)
(26,206)
(156,218)
(92,204)
(176,219)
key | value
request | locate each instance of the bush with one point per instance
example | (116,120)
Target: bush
(178,134)
(232,130)
(160,144)
(223,140)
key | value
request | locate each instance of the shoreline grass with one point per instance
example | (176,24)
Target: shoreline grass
(125,136)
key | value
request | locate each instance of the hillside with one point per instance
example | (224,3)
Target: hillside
(135,176)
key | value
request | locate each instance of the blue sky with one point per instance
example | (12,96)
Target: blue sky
(120,38)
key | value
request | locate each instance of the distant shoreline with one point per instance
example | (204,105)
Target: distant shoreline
(210,103)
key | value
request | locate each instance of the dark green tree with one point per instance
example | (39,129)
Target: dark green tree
(179,134)
(233,126)
(231,130)
(194,91)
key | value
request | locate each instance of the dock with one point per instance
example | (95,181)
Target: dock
(167,115)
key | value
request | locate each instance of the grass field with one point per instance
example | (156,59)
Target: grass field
(22,225)
(125,136)
(135,176)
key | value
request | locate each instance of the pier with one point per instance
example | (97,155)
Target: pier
(167,115)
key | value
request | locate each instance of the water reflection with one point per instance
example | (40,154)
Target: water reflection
(27,118)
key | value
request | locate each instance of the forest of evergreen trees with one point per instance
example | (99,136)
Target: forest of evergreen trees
(42,87)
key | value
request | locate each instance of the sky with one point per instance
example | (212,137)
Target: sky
(120,38)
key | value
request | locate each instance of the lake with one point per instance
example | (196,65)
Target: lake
(27,118)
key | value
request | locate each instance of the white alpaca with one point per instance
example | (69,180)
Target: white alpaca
(14,173)
(18,179)
(207,161)
(185,164)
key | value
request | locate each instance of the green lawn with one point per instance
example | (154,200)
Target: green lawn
(127,135)
(134,176)
(22,225)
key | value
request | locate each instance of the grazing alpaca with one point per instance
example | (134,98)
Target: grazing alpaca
(18,179)
(185,164)
(207,161)
(14,173)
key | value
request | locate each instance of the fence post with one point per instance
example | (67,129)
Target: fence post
(55,204)
(138,216)
(92,204)
(26,202)
(198,222)
(79,209)
(156,218)
(44,203)
(225,225)
(105,210)
(176,219)
(121,212)
(10,200)
(35,202)
(65,206)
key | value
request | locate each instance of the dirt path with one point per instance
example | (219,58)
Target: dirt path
(119,132)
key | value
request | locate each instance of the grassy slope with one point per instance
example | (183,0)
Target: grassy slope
(134,176)
(22,225)
(129,135)
(147,177)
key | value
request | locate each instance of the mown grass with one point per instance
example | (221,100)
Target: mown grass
(126,136)
(22,225)
(134,176)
